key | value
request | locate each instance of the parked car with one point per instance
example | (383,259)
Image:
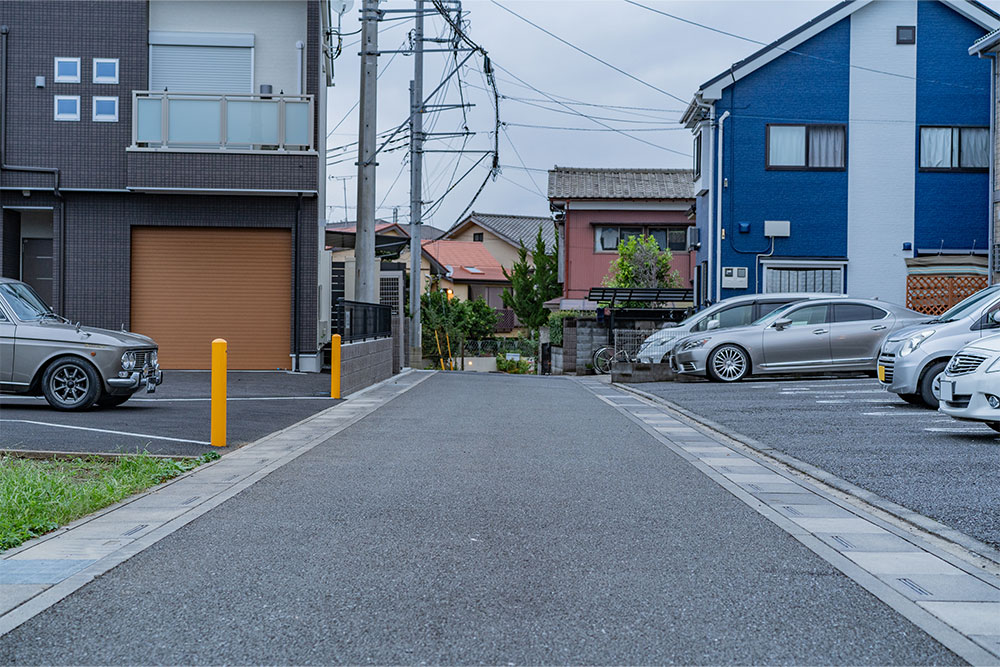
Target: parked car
(831,334)
(913,360)
(737,311)
(73,366)
(970,386)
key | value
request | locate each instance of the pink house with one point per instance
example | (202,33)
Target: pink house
(597,208)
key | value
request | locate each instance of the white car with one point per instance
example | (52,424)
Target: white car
(970,385)
(737,311)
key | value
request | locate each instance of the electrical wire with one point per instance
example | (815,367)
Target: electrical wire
(596,129)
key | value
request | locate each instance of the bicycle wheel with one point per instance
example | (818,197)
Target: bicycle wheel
(602,360)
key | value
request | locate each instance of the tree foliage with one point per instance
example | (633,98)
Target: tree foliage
(641,263)
(454,321)
(531,286)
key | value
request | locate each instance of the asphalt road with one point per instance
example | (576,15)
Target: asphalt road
(918,458)
(174,420)
(508,520)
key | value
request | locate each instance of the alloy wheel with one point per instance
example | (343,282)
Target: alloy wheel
(70,384)
(729,364)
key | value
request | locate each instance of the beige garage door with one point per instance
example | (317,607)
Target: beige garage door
(191,285)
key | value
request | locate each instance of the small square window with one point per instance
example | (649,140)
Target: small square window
(67,107)
(906,34)
(67,70)
(477,236)
(105,70)
(106,109)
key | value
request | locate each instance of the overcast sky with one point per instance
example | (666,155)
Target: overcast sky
(663,52)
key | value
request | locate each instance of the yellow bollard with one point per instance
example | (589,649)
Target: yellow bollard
(440,356)
(335,366)
(219,363)
(451,359)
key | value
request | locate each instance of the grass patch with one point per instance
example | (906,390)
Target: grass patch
(39,496)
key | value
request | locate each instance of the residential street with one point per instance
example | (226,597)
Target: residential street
(496,519)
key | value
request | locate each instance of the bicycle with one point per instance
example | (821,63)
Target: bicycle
(606,356)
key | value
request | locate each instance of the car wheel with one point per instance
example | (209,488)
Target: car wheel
(70,384)
(729,363)
(912,399)
(111,401)
(930,385)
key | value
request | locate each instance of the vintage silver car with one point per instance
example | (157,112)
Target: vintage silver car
(73,366)
(828,335)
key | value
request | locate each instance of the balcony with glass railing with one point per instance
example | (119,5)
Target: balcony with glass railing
(239,123)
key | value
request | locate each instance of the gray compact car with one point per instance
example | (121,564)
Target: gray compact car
(74,367)
(913,360)
(830,335)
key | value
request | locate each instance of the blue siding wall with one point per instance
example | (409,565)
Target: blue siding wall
(950,207)
(790,89)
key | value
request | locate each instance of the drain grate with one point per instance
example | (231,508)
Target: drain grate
(133,531)
(916,588)
(190,500)
(842,542)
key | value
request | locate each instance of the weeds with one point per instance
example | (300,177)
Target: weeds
(39,496)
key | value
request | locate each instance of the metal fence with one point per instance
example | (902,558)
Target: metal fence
(629,340)
(495,346)
(360,321)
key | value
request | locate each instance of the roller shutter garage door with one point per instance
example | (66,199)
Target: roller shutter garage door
(191,285)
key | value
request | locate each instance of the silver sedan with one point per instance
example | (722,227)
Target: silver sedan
(837,334)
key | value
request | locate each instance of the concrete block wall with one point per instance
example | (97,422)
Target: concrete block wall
(569,346)
(590,337)
(364,363)
(557,360)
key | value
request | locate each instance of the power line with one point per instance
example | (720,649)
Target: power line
(591,55)
(797,53)
(596,129)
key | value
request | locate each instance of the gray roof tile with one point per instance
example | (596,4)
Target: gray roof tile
(515,228)
(582,183)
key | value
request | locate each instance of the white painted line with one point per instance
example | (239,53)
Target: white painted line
(982,431)
(857,400)
(102,430)
(913,415)
(247,398)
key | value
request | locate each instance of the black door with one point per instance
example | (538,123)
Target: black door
(36,266)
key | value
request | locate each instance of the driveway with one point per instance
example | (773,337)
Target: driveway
(175,420)
(915,457)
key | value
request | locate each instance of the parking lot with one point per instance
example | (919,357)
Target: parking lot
(852,428)
(175,420)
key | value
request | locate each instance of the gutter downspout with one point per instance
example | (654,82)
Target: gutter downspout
(991,235)
(718,211)
(298,67)
(4,31)
(711,207)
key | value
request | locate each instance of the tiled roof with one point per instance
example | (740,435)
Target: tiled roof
(516,229)
(461,256)
(350,227)
(579,183)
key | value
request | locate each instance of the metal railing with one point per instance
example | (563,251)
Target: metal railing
(360,321)
(164,120)
(628,341)
(494,346)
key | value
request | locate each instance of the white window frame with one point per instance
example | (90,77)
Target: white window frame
(104,119)
(104,79)
(65,79)
(817,265)
(55,107)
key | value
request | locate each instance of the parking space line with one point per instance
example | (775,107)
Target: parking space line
(103,430)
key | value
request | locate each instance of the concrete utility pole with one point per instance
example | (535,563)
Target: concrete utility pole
(416,186)
(366,270)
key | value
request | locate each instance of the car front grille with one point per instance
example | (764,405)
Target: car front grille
(689,366)
(959,401)
(143,358)
(887,360)
(964,363)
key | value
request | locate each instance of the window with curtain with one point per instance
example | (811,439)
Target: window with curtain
(806,147)
(607,238)
(954,148)
(781,279)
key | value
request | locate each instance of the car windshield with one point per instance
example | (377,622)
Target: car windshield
(773,315)
(22,299)
(963,308)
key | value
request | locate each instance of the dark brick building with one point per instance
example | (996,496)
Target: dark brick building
(159,170)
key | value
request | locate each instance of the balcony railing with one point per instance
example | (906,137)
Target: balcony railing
(220,122)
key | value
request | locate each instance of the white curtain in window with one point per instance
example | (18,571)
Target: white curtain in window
(935,147)
(826,146)
(606,239)
(975,147)
(787,147)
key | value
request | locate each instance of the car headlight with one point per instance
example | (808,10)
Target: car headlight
(128,360)
(694,344)
(914,341)
(154,360)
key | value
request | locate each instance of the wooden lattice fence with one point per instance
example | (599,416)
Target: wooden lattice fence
(934,294)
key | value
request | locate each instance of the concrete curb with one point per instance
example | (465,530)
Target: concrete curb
(970,549)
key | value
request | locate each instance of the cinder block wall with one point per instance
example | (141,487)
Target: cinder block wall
(364,363)
(590,336)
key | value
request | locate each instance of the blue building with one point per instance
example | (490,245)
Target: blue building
(848,156)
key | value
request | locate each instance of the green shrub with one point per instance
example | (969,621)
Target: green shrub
(556,325)
(514,366)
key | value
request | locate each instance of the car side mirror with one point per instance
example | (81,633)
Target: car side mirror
(713,324)
(783,323)
(995,317)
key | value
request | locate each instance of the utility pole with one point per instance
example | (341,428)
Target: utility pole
(416,185)
(366,271)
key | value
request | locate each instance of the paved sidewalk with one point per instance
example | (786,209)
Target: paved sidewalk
(502,519)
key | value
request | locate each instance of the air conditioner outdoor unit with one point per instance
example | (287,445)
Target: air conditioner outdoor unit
(693,238)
